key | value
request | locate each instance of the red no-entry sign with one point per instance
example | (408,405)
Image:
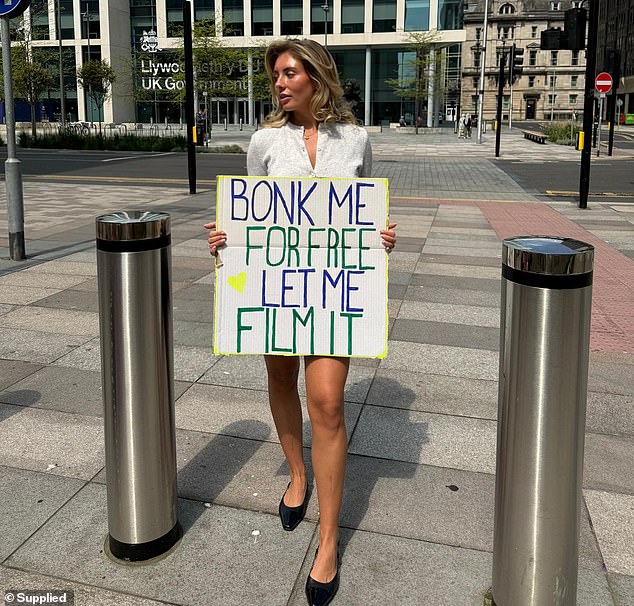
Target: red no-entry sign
(603,82)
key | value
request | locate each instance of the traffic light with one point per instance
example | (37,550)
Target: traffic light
(516,63)
(575,28)
(553,39)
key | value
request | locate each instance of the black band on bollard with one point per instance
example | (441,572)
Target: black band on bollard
(559,282)
(120,246)
(139,552)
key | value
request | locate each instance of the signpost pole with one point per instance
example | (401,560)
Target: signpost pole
(12,170)
(599,128)
(189,94)
(591,64)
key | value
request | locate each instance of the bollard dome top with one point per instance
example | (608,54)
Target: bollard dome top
(548,255)
(133,225)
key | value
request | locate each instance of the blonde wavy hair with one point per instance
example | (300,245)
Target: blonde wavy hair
(327,103)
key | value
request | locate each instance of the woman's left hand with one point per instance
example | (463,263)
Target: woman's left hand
(388,237)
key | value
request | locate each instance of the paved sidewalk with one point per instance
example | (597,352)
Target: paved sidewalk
(417,524)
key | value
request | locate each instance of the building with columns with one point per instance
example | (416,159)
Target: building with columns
(366,37)
(552,83)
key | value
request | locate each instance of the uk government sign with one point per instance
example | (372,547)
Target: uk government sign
(304,271)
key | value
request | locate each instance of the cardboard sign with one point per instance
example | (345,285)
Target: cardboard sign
(304,271)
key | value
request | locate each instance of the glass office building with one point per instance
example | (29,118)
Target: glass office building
(142,41)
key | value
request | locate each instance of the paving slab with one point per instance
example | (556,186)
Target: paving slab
(441,505)
(442,360)
(75,300)
(379,569)
(193,334)
(84,594)
(457,271)
(610,378)
(610,413)
(218,548)
(443,333)
(451,313)
(622,589)
(426,438)
(33,346)
(27,500)
(431,248)
(434,393)
(24,295)
(249,372)
(452,296)
(593,589)
(402,261)
(608,463)
(61,266)
(459,259)
(222,410)
(5,309)
(63,444)
(613,521)
(467,283)
(60,321)
(41,279)
(13,371)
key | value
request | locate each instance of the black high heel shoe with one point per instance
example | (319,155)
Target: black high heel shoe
(321,594)
(292,516)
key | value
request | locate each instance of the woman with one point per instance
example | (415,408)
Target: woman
(309,133)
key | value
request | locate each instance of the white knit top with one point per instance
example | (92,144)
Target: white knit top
(343,150)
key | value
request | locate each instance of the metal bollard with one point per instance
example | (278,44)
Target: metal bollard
(544,350)
(135,315)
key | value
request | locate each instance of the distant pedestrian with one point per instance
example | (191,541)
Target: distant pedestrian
(419,121)
(462,126)
(402,122)
(467,125)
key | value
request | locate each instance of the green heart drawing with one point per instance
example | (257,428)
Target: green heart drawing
(238,282)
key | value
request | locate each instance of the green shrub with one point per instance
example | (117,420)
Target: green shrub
(101,142)
(223,149)
(560,133)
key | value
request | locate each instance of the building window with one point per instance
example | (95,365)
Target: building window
(476,58)
(204,10)
(507,9)
(576,3)
(233,13)
(317,15)
(531,81)
(551,99)
(141,17)
(474,102)
(262,17)
(449,14)
(552,81)
(553,57)
(383,17)
(351,16)
(416,15)
(575,58)
(475,83)
(292,17)
(573,81)
(555,6)
(478,33)
(532,57)
(573,99)
(504,32)
(39,20)
(534,31)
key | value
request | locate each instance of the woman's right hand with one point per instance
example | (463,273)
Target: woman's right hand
(216,239)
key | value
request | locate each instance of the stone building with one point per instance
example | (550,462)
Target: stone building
(552,84)
(616,31)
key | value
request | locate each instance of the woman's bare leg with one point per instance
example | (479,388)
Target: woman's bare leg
(287,414)
(325,381)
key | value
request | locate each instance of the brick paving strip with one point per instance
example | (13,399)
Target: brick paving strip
(613,289)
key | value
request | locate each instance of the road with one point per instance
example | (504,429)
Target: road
(129,168)
(610,178)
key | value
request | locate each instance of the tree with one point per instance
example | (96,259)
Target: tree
(30,79)
(97,77)
(414,82)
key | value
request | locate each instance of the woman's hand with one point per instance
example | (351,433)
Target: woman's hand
(388,237)
(216,239)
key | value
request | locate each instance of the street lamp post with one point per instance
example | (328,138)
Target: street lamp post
(325,8)
(61,65)
(482,68)
(86,17)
